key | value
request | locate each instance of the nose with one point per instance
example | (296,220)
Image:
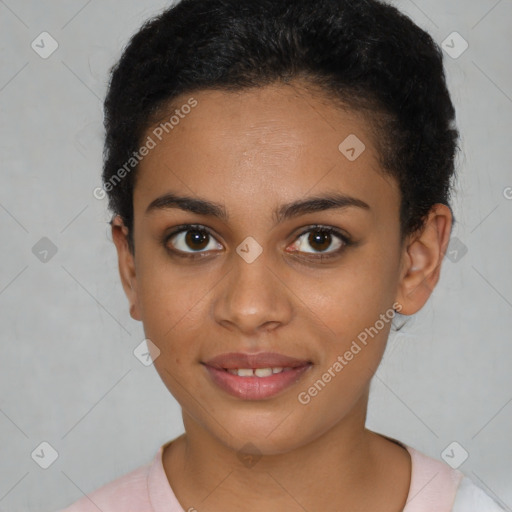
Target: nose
(253,297)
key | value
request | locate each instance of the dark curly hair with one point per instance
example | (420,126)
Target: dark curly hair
(362,54)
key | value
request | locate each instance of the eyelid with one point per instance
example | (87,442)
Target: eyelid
(331,229)
(345,239)
(183,228)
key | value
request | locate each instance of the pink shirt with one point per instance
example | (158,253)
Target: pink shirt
(435,487)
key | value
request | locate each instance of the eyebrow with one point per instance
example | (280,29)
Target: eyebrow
(287,211)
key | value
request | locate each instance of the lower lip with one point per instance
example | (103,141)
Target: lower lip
(255,388)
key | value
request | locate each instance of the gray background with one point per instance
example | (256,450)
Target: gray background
(68,375)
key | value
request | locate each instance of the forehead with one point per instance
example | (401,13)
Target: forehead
(259,146)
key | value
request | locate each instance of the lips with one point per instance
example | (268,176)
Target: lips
(255,376)
(237,360)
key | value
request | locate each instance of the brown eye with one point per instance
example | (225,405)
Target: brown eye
(192,239)
(320,239)
(196,239)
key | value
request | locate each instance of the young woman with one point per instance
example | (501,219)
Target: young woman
(279,173)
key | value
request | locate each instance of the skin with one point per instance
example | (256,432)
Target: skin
(254,151)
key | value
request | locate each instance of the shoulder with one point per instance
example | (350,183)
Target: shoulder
(145,489)
(471,498)
(435,485)
(128,493)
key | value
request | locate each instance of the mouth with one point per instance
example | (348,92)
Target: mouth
(258,372)
(255,376)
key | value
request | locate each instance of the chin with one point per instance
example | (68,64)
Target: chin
(259,437)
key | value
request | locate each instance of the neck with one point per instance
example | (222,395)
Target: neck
(344,465)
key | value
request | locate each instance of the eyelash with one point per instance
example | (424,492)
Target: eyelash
(346,241)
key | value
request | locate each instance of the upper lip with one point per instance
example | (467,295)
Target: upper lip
(233,360)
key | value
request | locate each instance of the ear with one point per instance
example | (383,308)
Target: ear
(422,259)
(126,263)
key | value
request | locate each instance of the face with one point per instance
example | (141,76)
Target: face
(252,274)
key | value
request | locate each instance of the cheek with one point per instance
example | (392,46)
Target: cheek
(354,295)
(343,300)
(172,301)
(172,314)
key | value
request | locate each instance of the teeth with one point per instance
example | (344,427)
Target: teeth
(257,372)
(263,372)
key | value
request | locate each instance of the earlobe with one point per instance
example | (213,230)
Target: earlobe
(423,258)
(126,264)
